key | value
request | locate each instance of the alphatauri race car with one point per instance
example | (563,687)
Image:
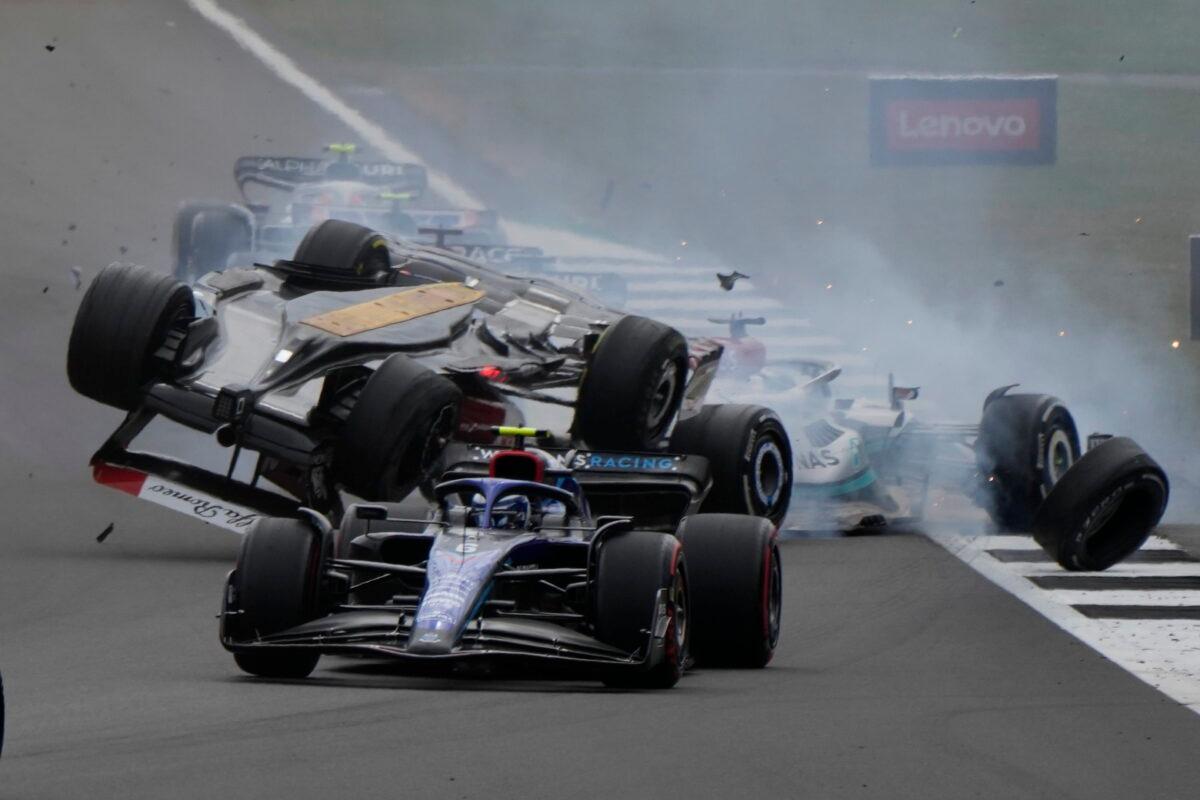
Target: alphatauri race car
(350,366)
(518,564)
(283,196)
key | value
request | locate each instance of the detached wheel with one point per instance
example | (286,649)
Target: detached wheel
(339,246)
(1104,507)
(749,455)
(632,569)
(737,588)
(633,386)
(205,235)
(1026,443)
(122,320)
(404,416)
(276,586)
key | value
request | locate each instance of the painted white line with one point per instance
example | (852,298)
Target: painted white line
(1027,543)
(1179,680)
(1176,597)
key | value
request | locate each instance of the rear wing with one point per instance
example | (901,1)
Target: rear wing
(287,172)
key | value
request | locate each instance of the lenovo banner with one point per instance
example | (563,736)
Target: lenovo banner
(963,120)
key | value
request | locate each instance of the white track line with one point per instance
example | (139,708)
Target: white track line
(1131,644)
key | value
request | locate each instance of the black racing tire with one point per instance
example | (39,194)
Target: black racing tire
(395,434)
(276,586)
(632,568)
(1026,443)
(633,386)
(736,588)
(749,455)
(122,320)
(1103,508)
(205,235)
(339,246)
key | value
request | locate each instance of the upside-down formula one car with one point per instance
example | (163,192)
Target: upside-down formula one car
(349,367)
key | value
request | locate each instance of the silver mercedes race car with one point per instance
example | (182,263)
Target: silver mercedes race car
(863,464)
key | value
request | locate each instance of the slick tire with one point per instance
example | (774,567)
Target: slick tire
(736,582)
(205,235)
(1103,508)
(277,586)
(123,319)
(1026,443)
(633,386)
(339,246)
(749,456)
(404,416)
(632,568)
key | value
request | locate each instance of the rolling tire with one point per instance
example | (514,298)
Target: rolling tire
(122,320)
(1104,507)
(277,585)
(205,235)
(631,569)
(633,386)
(737,588)
(749,456)
(339,246)
(1026,443)
(404,416)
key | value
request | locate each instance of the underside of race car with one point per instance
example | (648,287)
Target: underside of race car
(349,367)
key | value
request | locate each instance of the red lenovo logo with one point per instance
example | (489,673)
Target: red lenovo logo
(963,120)
(1008,124)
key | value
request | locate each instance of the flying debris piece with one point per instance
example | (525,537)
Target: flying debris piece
(727,281)
(45,289)
(683,243)
(49,48)
(123,249)
(104,533)
(1083,234)
(77,274)
(957,31)
(829,286)
(1137,221)
(1122,58)
(1062,334)
(820,221)
(909,322)
(1175,344)
(997,282)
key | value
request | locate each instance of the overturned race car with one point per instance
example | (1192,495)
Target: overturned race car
(350,366)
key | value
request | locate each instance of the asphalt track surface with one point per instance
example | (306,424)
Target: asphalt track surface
(901,673)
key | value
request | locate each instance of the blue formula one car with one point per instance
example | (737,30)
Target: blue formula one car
(511,566)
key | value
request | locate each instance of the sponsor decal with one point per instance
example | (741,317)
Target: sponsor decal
(177,497)
(493,254)
(612,462)
(817,459)
(970,120)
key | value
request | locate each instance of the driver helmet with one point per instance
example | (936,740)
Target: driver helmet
(510,513)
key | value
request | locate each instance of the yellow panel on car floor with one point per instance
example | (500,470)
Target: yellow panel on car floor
(399,307)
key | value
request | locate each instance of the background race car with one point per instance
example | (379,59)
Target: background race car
(283,196)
